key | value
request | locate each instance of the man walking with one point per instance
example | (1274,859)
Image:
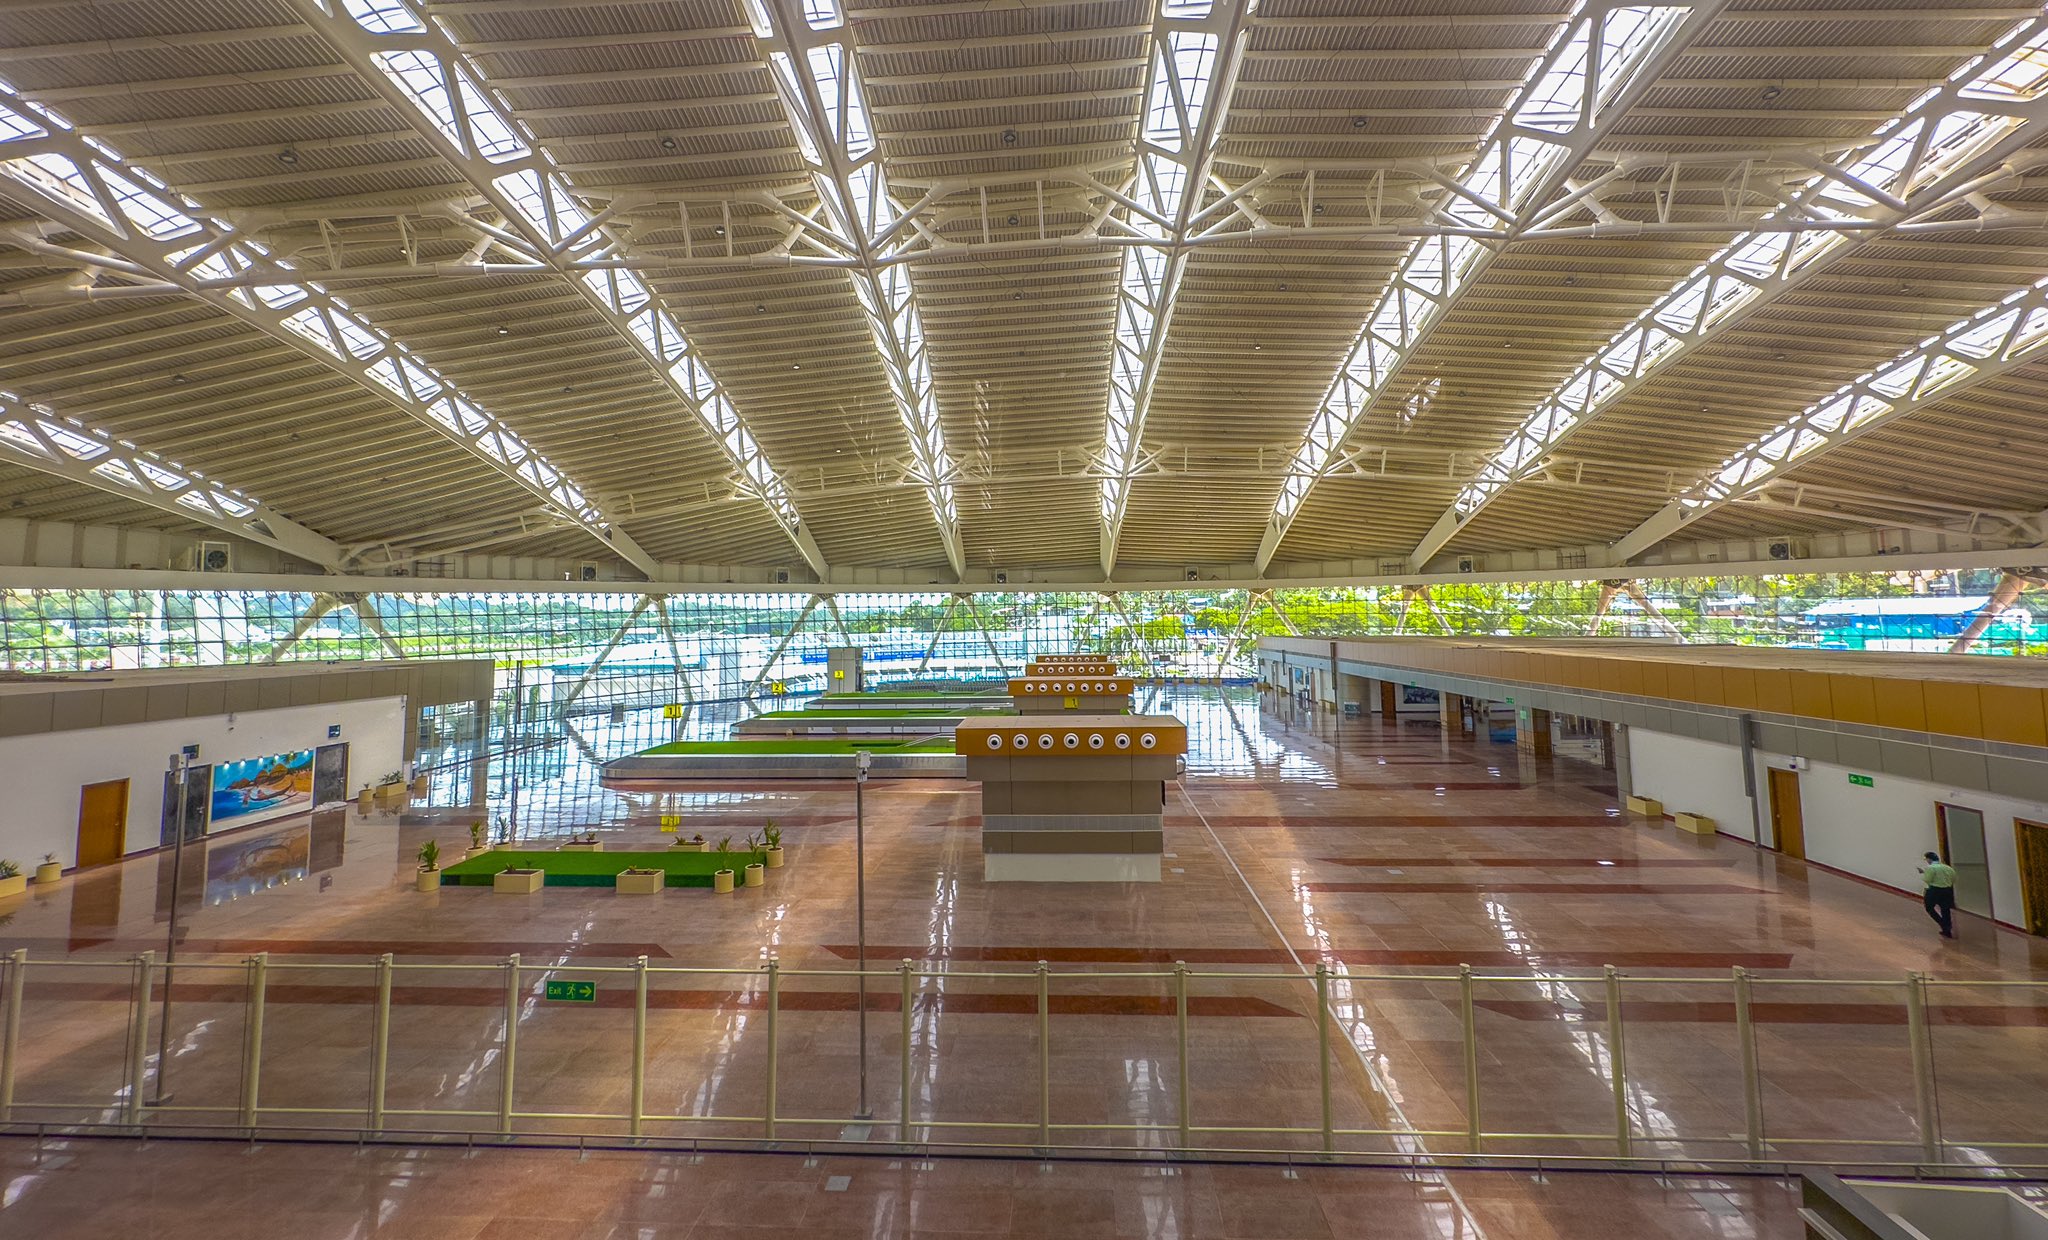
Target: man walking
(1939,898)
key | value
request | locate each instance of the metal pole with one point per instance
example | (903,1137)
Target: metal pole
(1180,1018)
(1323,1053)
(861,762)
(1044,1057)
(639,1044)
(511,1042)
(380,1044)
(1617,1062)
(1473,1137)
(181,767)
(774,968)
(1923,1067)
(252,1037)
(138,1036)
(909,1002)
(1752,1083)
(10,1029)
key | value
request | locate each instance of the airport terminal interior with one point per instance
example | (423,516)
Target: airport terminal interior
(1171,619)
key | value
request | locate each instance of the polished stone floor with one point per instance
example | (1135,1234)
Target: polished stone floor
(1383,851)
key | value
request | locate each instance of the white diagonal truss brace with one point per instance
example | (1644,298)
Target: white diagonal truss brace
(1949,144)
(1605,55)
(1193,54)
(1990,343)
(40,439)
(409,58)
(811,56)
(84,187)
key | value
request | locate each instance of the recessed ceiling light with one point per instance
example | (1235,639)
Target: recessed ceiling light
(1016,297)
(288,156)
(759,309)
(718,230)
(1571,279)
(796,365)
(1358,122)
(1772,92)
(1257,347)
(668,143)
(179,379)
(1012,219)
(504,331)
(1777,357)
(1318,208)
(1009,137)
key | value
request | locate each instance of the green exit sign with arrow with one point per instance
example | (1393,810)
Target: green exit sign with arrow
(572,992)
(1863,781)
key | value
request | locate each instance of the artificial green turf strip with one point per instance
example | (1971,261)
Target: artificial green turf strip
(855,716)
(592,869)
(825,746)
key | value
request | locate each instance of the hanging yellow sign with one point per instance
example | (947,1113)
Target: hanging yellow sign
(672,711)
(670,822)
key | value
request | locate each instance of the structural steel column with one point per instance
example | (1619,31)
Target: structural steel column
(1532,731)
(1390,700)
(1450,711)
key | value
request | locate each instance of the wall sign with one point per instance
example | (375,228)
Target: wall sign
(333,730)
(1863,781)
(572,992)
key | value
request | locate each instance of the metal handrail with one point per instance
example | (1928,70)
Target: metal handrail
(1041,1130)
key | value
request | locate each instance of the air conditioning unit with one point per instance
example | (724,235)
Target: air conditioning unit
(1194,574)
(1787,549)
(587,571)
(1466,564)
(211,557)
(781,576)
(1002,579)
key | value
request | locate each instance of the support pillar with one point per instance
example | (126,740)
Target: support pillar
(1450,711)
(1532,731)
(1390,699)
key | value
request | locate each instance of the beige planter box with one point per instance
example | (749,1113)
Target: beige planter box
(757,875)
(427,880)
(1648,807)
(695,846)
(721,881)
(641,883)
(471,854)
(13,886)
(524,882)
(1698,824)
(774,858)
(49,871)
(581,846)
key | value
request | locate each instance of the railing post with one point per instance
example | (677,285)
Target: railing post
(909,1002)
(1474,1138)
(774,969)
(252,1036)
(1752,1078)
(639,1045)
(1923,1067)
(1617,1062)
(506,1074)
(380,1043)
(1323,1054)
(1180,1020)
(1044,1056)
(138,1036)
(10,1029)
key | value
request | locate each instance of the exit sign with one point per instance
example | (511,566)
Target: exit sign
(1863,781)
(572,992)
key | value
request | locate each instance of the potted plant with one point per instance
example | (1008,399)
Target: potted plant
(13,882)
(50,870)
(477,847)
(429,876)
(771,840)
(640,880)
(756,873)
(721,878)
(365,801)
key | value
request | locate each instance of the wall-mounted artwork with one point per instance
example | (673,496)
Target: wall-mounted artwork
(259,789)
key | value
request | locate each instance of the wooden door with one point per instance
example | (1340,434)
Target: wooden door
(1788,826)
(1962,845)
(102,822)
(2033,849)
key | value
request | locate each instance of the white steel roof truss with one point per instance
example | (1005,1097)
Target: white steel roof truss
(1950,143)
(811,56)
(1602,58)
(1193,55)
(408,57)
(36,437)
(1994,341)
(85,187)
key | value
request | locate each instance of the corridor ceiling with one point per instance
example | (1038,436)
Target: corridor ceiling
(941,289)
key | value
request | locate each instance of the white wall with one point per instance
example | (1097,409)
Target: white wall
(43,774)
(1878,833)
